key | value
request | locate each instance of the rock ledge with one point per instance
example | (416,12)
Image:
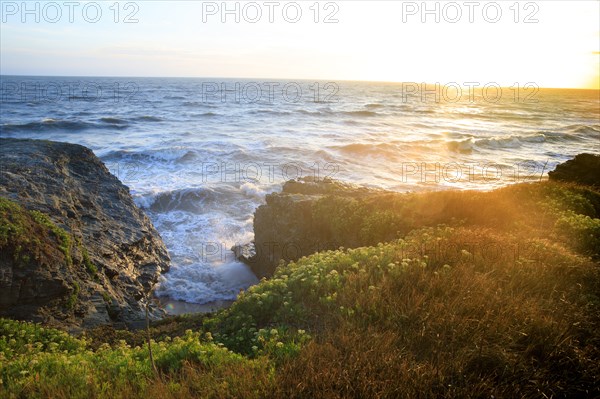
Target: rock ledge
(116,254)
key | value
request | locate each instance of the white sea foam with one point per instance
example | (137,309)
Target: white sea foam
(198,283)
(252,190)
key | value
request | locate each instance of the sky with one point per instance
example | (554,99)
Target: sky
(548,43)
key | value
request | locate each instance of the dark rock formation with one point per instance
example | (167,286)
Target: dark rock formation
(116,254)
(583,169)
(290,225)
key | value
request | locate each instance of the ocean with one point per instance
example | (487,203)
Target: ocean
(200,154)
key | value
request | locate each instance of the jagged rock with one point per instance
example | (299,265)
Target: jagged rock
(583,169)
(116,252)
(285,228)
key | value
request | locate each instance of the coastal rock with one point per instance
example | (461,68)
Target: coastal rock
(289,225)
(114,253)
(583,169)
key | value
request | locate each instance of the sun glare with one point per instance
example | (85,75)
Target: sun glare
(560,50)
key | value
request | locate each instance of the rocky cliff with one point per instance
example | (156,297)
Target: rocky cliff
(583,169)
(76,250)
(310,216)
(296,223)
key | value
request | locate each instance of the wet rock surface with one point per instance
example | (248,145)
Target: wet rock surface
(116,254)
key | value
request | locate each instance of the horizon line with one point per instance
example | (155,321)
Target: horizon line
(275,79)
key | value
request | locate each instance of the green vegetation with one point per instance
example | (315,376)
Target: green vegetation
(72,300)
(29,234)
(64,239)
(15,229)
(32,232)
(548,210)
(31,238)
(90,267)
(457,295)
(41,363)
(12,221)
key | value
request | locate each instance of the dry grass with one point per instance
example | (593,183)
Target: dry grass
(470,329)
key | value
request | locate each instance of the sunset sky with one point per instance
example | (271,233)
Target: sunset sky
(381,41)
